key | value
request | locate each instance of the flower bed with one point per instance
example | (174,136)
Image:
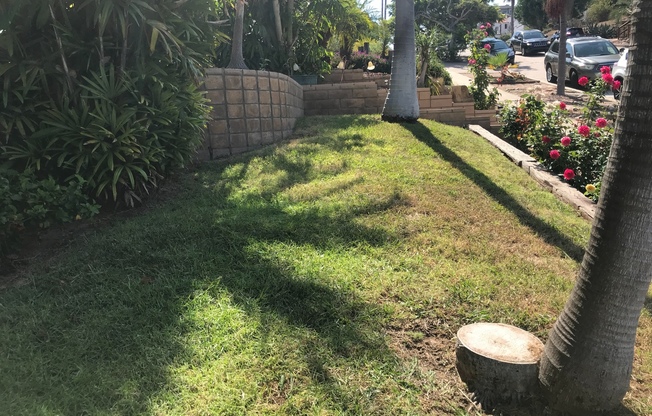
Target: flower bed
(575,149)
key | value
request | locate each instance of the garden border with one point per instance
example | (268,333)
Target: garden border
(561,190)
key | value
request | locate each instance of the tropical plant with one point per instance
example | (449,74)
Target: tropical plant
(103,91)
(402,103)
(587,362)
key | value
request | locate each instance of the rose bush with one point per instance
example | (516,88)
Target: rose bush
(576,150)
(483,97)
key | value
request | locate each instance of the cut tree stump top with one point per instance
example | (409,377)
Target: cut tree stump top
(501,342)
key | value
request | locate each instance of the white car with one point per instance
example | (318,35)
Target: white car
(618,71)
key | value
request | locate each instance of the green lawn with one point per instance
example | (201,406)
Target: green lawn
(324,276)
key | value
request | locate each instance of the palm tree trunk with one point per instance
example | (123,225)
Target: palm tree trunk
(561,65)
(587,362)
(402,103)
(237,60)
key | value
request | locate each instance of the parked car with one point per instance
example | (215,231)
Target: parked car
(618,71)
(529,41)
(584,58)
(499,46)
(570,33)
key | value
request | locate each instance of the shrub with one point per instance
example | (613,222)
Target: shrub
(360,60)
(603,30)
(436,69)
(106,92)
(27,201)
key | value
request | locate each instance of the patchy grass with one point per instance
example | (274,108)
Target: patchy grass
(327,275)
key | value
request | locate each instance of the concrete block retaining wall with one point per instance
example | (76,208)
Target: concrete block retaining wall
(250,109)
(256,108)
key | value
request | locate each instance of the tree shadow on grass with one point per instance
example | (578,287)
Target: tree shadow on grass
(101,331)
(540,227)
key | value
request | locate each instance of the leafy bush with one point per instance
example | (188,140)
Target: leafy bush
(360,60)
(28,201)
(436,69)
(105,91)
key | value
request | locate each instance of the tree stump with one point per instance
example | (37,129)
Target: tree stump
(499,363)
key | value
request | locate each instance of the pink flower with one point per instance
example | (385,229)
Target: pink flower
(605,70)
(601,122)
(569,174)
(554,154)
(471,61)
(545,139)
(565,141)
(487,24)
(487,47)
(562,105)
(608,78)
(616,85)
(584,130)
(583,81)
(482,27)
(486,33)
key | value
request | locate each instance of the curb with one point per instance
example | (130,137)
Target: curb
(564,192)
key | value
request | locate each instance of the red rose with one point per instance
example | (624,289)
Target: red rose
(569,174)
(616,85)
(583,81)
(545,139)
(584,130)
(601,122)
(562,105)
(554,154)
(605,70)
(608,78)
(565,141)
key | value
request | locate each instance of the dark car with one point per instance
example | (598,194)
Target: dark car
(529,41)
(499,46)
(570,33)
(584,57)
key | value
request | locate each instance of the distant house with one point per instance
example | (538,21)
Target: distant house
(503,27)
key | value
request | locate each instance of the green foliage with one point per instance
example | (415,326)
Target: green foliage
(360,60)
(599,11)
(104,91)
(531,13)
(306,27)
(483,97)
(498,60)
(26,201)
(436,69)
(603,30)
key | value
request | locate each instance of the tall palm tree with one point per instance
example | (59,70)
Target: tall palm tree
(402,103)
(587,362)
(237,60)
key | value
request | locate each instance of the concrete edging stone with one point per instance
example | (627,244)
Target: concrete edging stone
(563,191)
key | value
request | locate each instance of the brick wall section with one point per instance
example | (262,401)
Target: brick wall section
(250,109)
(345,98)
